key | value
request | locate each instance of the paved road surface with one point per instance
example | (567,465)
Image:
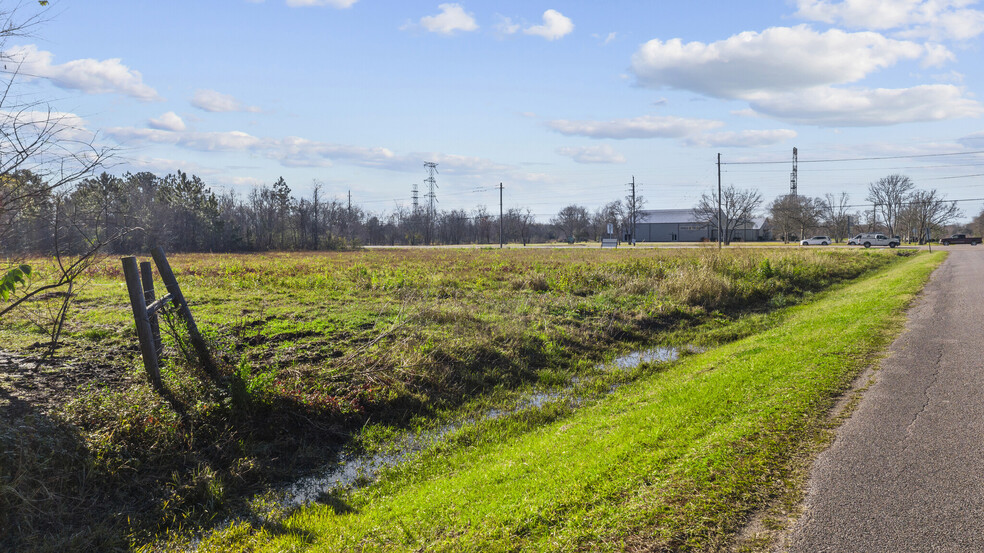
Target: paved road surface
(906,472)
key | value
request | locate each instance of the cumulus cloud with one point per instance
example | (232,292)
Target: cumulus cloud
(169,121)
(332,3)
(779,58)
(213,101)
(934,19)
(452,18)
(646,126)
(826,106)
(798,74)
(592,154)
(742,139)
(88,75)
(555,25)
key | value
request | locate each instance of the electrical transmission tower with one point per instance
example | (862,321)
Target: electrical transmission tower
(792,176)
(414,198)
(431,198)
(431,186)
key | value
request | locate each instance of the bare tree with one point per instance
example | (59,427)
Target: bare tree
(836,215)
(798,215)
(889,195)
(930,212)
(611,213)
(737,209)
(44,152)
(573,220)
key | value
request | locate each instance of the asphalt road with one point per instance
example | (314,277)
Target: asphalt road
(906,471)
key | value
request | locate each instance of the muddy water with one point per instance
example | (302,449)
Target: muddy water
(354,471)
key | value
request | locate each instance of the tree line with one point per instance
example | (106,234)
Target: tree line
(898,208)
(180,212)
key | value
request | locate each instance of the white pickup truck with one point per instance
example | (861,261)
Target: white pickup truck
(869,239)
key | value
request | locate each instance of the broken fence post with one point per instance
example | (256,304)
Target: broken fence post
(147,277)
(171,283)
(144,332)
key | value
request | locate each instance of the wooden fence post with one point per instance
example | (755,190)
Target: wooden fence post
(139,304)
(147,277)
(171,283)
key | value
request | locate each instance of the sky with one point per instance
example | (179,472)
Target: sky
(562,101)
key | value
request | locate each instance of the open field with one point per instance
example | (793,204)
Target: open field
(677,460)
(321,351)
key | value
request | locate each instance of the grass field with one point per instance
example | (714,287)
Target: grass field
(674,461)
(321,351)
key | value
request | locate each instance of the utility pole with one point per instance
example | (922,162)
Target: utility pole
(500,215)
(793,177)
(632,184)
(719,200)
(350,202)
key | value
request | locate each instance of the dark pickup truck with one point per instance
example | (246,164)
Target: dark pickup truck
(960,239)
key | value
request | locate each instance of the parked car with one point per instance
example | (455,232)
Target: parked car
(869,239)
(816,241)
(960,239)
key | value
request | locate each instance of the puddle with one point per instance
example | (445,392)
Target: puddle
(355,471)
(661,354)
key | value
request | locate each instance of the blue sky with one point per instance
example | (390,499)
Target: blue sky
(562,102)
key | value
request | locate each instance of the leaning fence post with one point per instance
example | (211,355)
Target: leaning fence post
(144,332)
(171,283)
(147,277)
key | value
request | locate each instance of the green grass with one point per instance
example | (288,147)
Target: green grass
(676,461)
(324,351)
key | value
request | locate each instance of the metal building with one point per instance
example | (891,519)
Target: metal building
(680,225)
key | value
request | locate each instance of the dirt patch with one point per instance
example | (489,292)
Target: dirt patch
(31,384)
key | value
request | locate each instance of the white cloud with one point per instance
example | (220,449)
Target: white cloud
(934,19)
(743,139)
(505,25)
(779,58)
(592,154)
(937,55)
(88,75)
(826,106)
(333,3)
(793,73)
(54,124)
(169,121)
(646,126)
(290,151)
(213,101)
(555,25)
(451,19)
(161,166)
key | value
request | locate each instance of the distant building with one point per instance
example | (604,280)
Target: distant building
(680,225)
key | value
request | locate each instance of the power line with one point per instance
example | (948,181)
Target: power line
(911,156)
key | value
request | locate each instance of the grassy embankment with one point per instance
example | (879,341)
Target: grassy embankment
(677,460)
(323,350)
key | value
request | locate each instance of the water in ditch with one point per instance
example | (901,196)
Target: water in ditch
(352,471)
